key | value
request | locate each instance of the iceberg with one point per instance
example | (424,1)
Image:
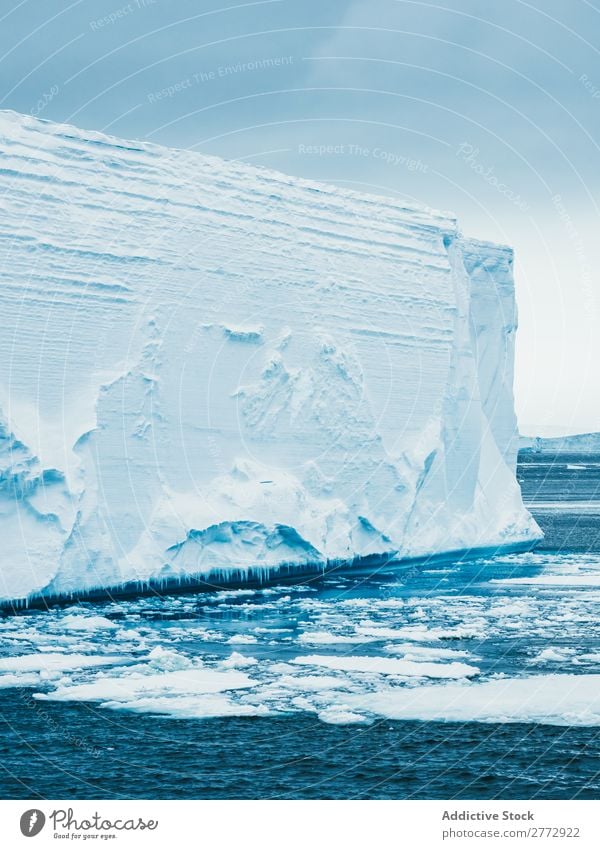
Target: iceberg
(213,372)
(579,443)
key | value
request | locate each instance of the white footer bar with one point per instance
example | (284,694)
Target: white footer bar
(291,824)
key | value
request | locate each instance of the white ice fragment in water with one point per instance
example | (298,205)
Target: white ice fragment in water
(325,638)
(548,699)
(237,661)
(169,660)
(53,661)
(19,680)
(341,715)
(418,653)
(388,666)
(128,688)
(553,655)
(241,639)
(87,623)
(552,581)
(310,683)
(190,707)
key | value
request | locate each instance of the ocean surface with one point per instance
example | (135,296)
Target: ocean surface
(464,680)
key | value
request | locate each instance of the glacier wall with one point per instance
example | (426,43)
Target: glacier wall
(210,369)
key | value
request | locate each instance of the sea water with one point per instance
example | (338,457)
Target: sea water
(467,680)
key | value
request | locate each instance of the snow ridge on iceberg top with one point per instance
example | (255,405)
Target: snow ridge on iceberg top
(14,127)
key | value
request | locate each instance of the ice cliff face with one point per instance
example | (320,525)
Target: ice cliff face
(212,369)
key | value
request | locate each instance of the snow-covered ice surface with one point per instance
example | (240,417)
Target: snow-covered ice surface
(470,642)
(210,369)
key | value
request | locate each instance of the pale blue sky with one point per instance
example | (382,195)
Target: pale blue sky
(394,88)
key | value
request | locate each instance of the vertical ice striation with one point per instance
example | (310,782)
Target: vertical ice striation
(211,369)
(494,323)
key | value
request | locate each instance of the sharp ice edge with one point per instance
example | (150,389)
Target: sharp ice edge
(220,370)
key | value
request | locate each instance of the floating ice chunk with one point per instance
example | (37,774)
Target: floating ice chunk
(325,638)
(308,683)
(128,688)
(241,639)
(553,655)
(418,653)
(517,608)
(87,623)
(52,661)
(420,633)
(16,680)
(341,715)
(552,581)
(169,660)
(237,661)
(190,707)
(389,666)
(548,699)
(129,634)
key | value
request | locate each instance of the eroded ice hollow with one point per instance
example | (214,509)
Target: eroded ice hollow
(214,371)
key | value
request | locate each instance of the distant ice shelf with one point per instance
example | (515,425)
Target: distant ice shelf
(212,370)
(579,443)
